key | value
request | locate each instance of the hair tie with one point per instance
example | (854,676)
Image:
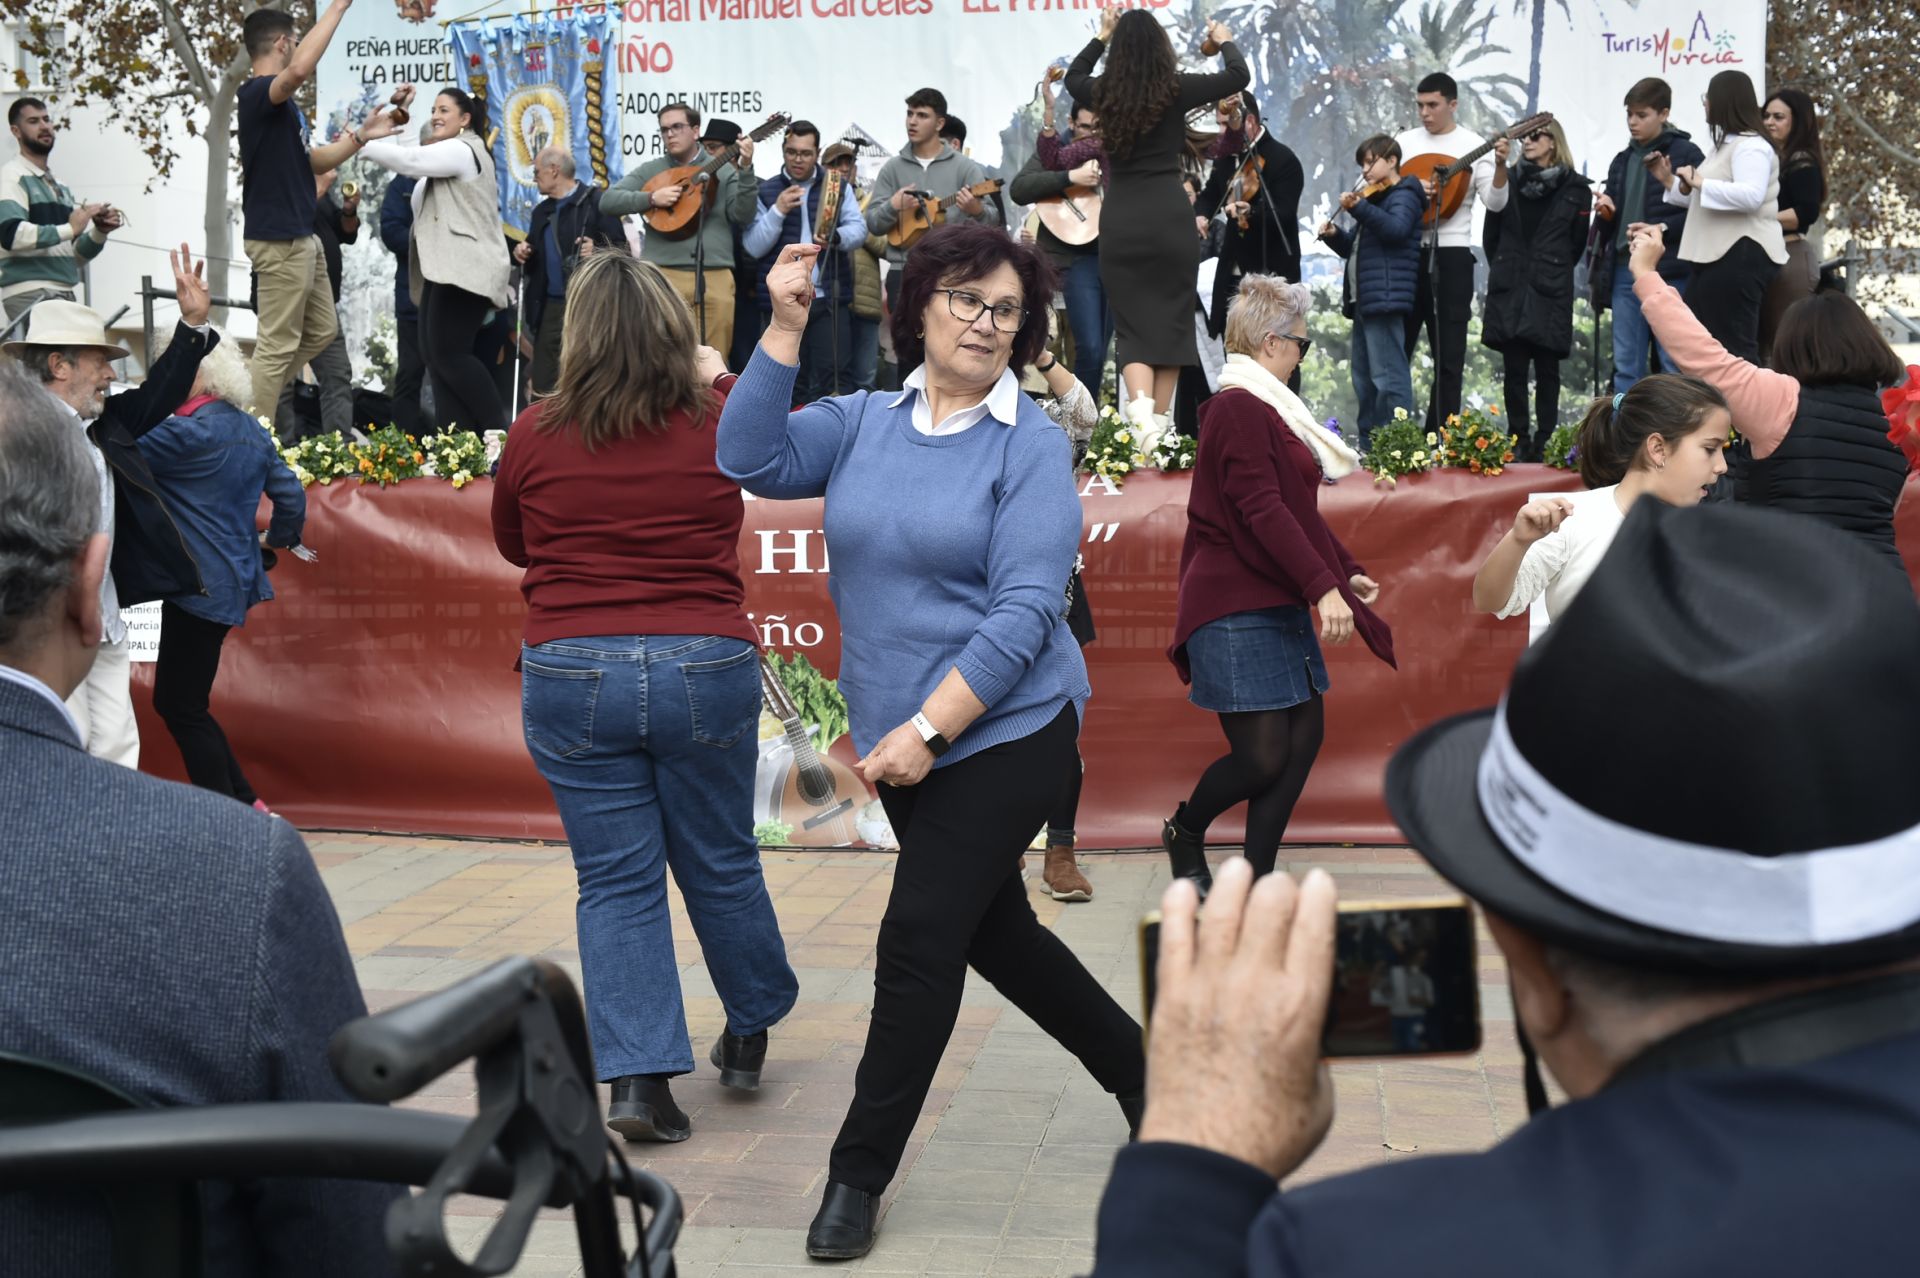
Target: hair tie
(1618,396)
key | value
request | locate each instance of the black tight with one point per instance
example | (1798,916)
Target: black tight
(463,392)
(1066,808)
(1270,754)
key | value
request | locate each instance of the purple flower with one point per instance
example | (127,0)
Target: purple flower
(1332,424)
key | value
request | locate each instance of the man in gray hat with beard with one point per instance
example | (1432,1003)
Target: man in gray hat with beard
(1693,829)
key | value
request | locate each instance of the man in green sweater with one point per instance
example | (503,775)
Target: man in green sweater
(733,201)
(45,233)
(926,166)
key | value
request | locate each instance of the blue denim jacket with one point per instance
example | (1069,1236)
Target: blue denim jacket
(212,466)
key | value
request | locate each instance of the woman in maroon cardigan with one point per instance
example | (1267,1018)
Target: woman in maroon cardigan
(1257,555)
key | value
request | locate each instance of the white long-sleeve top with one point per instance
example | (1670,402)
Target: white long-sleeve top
(1559,563)
(450,158)
(1457,231)
(1753,168)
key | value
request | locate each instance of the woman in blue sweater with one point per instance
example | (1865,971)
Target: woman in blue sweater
(952,522)
(1383,277)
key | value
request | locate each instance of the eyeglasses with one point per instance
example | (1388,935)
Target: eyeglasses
(1079,127)
(675,128)
(1304,343)
(967,308)
(792,154)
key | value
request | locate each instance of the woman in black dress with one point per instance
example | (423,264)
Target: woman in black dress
(1148,253)
(1794,128)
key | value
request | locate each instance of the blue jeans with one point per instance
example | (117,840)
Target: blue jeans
(1090,320)
(866,351)
(1631,332)
(1382,379)
(648,744)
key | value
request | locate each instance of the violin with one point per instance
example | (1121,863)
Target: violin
(1246,184)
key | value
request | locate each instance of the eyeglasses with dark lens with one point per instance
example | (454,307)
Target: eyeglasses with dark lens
(967,307)
(1537,134)
(1304,343)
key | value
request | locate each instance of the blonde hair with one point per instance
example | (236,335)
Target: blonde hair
(1562,153)
(223,370)
(627,354)
(1264,304)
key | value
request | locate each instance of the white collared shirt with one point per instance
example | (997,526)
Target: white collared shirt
(10,675)
(1001,403)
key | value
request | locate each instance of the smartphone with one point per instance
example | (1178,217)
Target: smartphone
(1405,979)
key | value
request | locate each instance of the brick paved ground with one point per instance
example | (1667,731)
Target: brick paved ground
(1006,1166)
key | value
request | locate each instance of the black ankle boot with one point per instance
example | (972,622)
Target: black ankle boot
(1187,853)
(739,1058)
(643,1110)
(1134,1106)
(844,1226)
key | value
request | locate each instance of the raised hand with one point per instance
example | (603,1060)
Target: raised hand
(188,285)
(1539,518)
(790,286)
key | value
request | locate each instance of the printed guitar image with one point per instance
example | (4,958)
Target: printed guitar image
(1453,178)
(919,218)
(696,182)
(818,797)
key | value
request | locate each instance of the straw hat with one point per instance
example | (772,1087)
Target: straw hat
(69,324)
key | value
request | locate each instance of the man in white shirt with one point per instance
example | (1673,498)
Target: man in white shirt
(1445,298)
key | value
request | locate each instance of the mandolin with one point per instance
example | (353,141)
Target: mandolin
(1453,178)
(1073,216)
(917,219)
(677,221)
(818,797)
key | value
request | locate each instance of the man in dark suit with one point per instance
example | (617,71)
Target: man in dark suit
(163,940)
(1270,243)
(1704,873)
(566,226)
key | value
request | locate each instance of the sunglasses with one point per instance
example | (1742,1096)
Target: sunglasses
(1538,134)
(1304,343)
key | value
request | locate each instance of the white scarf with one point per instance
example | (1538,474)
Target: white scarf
(1335,458)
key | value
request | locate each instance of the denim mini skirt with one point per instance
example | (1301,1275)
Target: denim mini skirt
(1268,659)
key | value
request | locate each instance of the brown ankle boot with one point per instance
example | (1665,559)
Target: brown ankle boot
(1062,877)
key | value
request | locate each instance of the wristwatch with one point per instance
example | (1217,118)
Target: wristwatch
(930,734)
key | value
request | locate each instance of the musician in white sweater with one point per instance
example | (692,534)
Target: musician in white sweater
(1733,236)
(1446,275)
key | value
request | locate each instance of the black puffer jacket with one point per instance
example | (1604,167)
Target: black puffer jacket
(1532,247)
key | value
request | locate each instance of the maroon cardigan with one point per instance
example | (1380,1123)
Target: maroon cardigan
(1255,538)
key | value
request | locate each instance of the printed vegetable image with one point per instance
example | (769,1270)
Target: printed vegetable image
(815,696)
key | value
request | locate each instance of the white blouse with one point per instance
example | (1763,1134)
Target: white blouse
(1753,169)
(1560,562)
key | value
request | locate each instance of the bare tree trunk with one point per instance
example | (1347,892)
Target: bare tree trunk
(215,222)
(1533,62)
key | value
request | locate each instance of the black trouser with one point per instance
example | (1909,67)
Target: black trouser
(1545,365)
(182,688)
(409,373)
(1725,296)
(1449,345)
(957,902)
(545,373)
(826,351)
(464,395)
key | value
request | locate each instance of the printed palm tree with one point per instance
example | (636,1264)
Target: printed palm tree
(1538,15)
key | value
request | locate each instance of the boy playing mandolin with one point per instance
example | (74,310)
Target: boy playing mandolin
(926,170)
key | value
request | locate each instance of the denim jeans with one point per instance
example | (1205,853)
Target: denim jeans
(866,351)
(648,744)
(1090,319)
(1382,381)
(1631,332)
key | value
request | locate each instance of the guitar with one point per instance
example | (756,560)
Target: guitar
(818,797)
(917,219)
(676,221)
(1073,216)
(1453,178)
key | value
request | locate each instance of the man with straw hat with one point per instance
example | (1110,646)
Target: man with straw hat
(67,349)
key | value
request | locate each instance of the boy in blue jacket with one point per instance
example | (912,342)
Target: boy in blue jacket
(1382,278)
(1643,200)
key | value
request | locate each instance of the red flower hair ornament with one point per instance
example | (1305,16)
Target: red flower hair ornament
(1902,406)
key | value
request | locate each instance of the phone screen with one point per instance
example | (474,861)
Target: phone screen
(1405,979)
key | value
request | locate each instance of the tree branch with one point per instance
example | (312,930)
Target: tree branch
(183,49)
(1873,135)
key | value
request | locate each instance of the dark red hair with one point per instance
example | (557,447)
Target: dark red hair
(958,254)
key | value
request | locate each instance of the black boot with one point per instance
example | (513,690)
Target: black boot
(1187,852)
(843,1228)
(739,1058)
(1134,1106)
(643,1110)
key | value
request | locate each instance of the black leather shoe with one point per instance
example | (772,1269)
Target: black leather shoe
(1187,853)
(740,1058)
(1134,1106)
(643,1110)
(843,1228)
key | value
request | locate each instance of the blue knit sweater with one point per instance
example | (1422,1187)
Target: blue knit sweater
(948,552)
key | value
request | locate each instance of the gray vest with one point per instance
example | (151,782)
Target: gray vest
(456,236)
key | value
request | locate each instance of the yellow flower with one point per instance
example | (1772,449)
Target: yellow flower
(1123,437)
(1453,419)
(1396,454)
(1420,459)
(1431,440)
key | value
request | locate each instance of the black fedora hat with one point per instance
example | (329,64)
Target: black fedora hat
(1707,764)
(725,132)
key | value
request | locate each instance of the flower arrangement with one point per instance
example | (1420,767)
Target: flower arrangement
(1562,451)
(319,459)
(458,456)
(388,456)
(1176,451)
(1477,440)
(1401,447)
(1121,445)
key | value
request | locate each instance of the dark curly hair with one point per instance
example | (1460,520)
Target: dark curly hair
(957,254)
(1140,84)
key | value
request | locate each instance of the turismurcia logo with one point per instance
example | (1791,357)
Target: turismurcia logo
(1700,45)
